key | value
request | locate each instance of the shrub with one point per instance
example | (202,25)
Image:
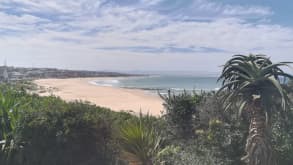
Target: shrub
(282,134)
(219,137)
(191,152)
(58,133)
(181,112)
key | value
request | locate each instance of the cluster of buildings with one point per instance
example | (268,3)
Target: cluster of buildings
(11,74)
(6,76)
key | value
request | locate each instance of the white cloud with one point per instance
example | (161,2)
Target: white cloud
(73,32)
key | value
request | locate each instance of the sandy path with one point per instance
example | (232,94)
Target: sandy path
(112,97)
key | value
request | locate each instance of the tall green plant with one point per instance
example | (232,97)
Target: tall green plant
(253,84)
(9,115)
(181,111)
(140,140)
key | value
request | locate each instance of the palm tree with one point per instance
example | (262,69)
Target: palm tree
(254,85)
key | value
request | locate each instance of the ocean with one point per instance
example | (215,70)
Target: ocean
(164,82)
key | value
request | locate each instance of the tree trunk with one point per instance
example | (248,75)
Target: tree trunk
(258,145)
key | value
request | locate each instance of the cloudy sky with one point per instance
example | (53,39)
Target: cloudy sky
(196,35)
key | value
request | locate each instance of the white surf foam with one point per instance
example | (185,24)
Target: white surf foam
(105,83)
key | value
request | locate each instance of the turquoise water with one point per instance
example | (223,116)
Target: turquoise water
(175,83)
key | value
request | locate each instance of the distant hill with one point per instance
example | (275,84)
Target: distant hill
(20,73)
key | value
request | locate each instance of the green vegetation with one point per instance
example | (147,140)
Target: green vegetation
(141,141)
(49,131)
(181,112)
(9,115)
(251,115)
(253,83)
(75,133)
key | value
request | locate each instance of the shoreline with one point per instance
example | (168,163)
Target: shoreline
(113,97)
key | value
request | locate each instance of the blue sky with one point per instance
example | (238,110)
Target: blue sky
(195,35)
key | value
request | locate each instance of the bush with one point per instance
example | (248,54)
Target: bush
(47,130)
(191,154)
(282,134)
(181,112)
(59,133)
(218,137)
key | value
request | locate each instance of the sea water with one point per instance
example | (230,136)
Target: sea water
(164,82)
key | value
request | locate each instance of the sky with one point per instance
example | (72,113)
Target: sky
(145,35)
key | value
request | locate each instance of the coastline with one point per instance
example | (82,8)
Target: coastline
(115,98)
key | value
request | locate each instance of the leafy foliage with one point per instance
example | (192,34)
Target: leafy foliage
(47,130)
(282,135)
(217,138)
(181,111)
(73,133)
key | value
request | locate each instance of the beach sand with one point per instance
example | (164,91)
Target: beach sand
(115,98)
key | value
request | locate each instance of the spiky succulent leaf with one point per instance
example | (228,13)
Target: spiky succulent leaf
(245,76)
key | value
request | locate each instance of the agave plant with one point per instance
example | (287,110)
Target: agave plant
(141,141)
(254,84)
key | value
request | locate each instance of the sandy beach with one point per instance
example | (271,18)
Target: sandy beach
(115,98)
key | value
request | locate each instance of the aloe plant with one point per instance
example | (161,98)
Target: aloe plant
(254,84)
